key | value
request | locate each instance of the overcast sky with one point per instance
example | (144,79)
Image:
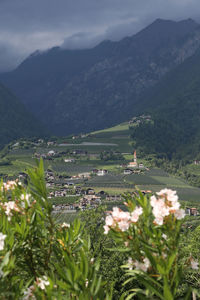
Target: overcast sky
(28,25)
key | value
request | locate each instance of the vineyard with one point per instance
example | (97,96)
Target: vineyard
(70,168)
(109,180)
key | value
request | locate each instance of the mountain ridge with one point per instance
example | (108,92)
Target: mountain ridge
(75,91)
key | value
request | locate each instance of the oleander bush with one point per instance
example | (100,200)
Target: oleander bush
(41,259)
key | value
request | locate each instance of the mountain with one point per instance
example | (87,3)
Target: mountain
(16,121)
(174,104)
(75,91)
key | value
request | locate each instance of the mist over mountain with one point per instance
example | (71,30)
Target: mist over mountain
(74,91)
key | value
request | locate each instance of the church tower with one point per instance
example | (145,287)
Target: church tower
(135,156)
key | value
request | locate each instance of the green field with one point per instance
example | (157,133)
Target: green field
(115,182)
(120,127)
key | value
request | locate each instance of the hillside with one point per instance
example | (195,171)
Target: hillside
(15,121)
(75,91)
(174,104)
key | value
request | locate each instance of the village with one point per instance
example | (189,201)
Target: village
(87,197)
(73,194)
(88,170)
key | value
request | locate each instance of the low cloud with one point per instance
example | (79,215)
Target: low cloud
(27,25)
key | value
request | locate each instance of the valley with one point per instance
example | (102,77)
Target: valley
(86,170)
(100,155)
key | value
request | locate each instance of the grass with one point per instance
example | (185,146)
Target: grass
(113,190)
(64,200)
(141,179)
(170,181)
(113,183)
(194,169)
(71,169)
(62,217)
(120,127)
(189,194)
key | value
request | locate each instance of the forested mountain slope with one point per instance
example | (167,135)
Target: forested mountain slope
(174,104)
(83,90)
(15,120)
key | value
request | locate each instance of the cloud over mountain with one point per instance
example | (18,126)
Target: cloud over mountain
(27,25)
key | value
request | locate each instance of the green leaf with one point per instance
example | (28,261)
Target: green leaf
(167,292)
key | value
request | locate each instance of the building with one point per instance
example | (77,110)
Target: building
(133,164)
(69,160)
(128,171)
(191,211)
(51,153)
(101,172)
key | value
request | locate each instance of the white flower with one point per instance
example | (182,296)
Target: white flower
(169,194)
(119,214)
(106,229)
(166,203)
(65,225)
(118,218)
(26,197)
(109,221)
(2,238)
(28,294)
(194,264)
(160,209)
(136,213)
(42,282)
(130,263)
(180,214)
(142,266)
(10,185)
(9,206)
(115,212)
(86,283)
(123,225)
(164,236)
(92,260)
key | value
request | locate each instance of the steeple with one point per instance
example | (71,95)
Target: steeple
(135,156)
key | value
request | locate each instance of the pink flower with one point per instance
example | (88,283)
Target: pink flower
(119,214)
(169,194)
(9,207)
(160,209)
(109,221)
(166,203)
(10,185)
(106,229)
(116,212)
(123,225)
(180,214)
(136,213)
(120,219)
